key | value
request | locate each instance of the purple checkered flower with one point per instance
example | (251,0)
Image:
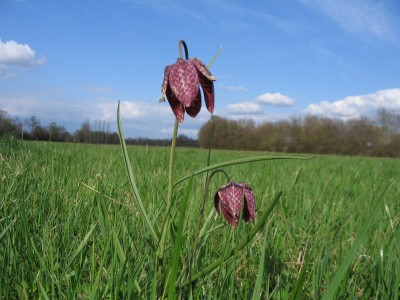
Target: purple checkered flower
(233,197)
(181,87)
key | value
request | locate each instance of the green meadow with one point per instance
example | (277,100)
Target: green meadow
(70,227)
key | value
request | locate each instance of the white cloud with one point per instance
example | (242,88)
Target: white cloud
(14,54)
(248,107)
(275,99)
(357,106)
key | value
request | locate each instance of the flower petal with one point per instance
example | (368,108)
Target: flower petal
(165,81)
(176,106)
(230,196)
(195,108)
(216,202)
(208,91)
(206,82)
(202,68)
(249,210)
(184,81)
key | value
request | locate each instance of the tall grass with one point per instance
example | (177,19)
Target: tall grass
(71,228)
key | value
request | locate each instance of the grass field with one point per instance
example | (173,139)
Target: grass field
(70,228)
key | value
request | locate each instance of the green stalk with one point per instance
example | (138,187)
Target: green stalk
(170,189)
(171,165)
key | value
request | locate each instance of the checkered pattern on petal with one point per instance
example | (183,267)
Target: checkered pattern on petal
(202,68)
(184,81)
(181,87)
(230,197)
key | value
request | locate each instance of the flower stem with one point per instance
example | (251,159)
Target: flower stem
(171,163)
(167,221)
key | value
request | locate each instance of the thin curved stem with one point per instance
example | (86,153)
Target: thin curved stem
(180,44)
(237,162)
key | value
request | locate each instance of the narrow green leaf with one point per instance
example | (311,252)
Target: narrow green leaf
(132,179)
(3,233)
(83,243)
(173,268)
(118,247)
(237,162)
(100,270)
(42,290)
(260,273)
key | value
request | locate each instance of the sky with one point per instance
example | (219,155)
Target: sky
(72,61)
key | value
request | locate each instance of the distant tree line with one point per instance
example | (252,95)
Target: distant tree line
(97,132)
(181,141)
(309,134)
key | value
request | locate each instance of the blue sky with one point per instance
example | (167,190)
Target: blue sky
(68,61)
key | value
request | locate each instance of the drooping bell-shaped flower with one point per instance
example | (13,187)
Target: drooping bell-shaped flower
(233,197)
(181,87)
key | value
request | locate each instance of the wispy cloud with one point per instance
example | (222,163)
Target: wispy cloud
(357,106)
(234,88)
(359,16)
(172,8)
(243,11)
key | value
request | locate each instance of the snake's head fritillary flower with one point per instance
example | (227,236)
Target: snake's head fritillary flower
(181,87)
(233,197)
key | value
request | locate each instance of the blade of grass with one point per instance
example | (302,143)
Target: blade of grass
(260,273)
(132,179)
(118,247)
(173,268)
(42,290)
(100,270)
(83,243)
(6,229)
